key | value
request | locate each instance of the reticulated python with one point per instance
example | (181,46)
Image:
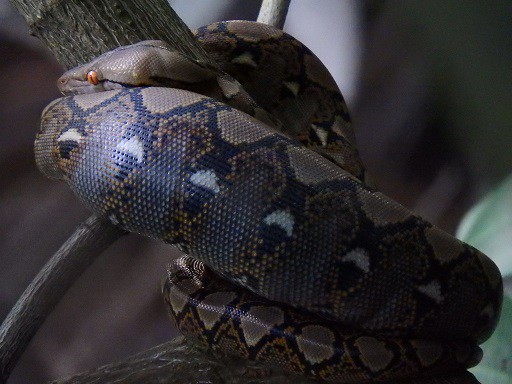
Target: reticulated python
(294,260)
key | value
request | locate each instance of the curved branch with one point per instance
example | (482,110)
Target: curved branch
(48,287)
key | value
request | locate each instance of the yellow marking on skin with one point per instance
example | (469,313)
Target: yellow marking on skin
(427,351)
(321,133)
(432,290)
(381,209)
(253,32)
(311,168)
(212,307)
(316,343)
(162,100)
(343,128)
(90,100)
(245,58)
(212,27)
(229,87)
(446,248)
(178,294)
(259,321)
(237,128)
(293,86)
(374,353)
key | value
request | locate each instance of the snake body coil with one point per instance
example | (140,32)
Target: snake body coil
(325,276)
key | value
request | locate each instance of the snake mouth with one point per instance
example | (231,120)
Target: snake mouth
(70,87)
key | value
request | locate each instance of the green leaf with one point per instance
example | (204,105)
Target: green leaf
(496,365)
(488,226)
(490,376)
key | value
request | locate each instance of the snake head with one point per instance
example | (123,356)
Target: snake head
(148,63)
(83,80)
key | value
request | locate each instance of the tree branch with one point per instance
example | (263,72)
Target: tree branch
(178,362)
(76,31)
(273,12)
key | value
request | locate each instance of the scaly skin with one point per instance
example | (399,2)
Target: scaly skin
(366,290)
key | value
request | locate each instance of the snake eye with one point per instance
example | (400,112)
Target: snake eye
(92,77)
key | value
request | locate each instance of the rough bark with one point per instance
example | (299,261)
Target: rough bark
(179,362)
(78,30)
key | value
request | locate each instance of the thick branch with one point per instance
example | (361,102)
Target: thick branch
(179,362)
(78,30)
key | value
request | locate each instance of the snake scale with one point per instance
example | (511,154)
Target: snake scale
(294,260)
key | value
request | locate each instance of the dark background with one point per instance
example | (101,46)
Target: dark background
(429,89)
